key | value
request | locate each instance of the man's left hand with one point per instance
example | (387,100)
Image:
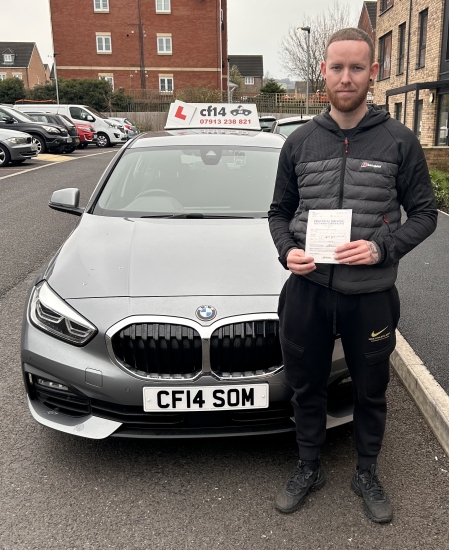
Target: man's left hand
(358,253)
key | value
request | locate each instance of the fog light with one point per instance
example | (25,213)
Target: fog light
(50,384)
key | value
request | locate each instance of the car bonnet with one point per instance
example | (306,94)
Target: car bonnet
(110,257)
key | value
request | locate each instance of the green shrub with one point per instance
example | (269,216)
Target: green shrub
(440,182)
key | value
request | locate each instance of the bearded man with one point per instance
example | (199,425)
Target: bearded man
(356,158)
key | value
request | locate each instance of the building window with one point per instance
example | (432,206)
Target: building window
(2,76)
(422,38)
(401,48)
(101,5)
(418,127)
(249,80)
(385,5)
(8,58)
(163,6)
(166,83)
(398,111)
(385,56)
(104,43)
(164,45)
(443,121)
(17,75)
(109,78)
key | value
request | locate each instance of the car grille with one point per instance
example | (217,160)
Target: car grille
(237,350)
(246,349)
(159,350)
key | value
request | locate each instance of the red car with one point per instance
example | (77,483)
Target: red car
(86,133)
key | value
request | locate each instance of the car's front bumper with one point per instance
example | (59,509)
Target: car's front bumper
(105,400)
(20,152)
(54,144)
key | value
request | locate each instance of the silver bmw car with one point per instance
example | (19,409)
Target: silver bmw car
(157,317)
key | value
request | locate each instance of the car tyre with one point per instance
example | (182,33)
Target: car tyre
(20,161)
(5,157)
(41,147)
(82,145)
(103,140)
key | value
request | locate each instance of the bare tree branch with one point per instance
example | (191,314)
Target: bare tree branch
(293,50)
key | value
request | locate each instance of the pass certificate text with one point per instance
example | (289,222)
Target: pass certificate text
(326,230)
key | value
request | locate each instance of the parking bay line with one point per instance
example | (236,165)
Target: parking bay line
(53,164)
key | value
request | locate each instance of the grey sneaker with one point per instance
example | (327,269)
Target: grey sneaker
(302,481)
(377,505)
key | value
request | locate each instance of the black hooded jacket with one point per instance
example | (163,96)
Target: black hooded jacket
(378,169)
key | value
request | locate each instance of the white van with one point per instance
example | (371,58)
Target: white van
(109,132)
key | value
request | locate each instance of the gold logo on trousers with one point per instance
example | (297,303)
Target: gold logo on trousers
(374,334)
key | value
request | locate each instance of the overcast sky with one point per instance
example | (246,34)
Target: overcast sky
(254,26)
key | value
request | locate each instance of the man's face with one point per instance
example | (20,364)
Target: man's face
(347,71)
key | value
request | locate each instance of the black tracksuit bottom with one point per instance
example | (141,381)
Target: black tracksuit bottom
(310,315)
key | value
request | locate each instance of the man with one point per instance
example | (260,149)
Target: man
(351,157)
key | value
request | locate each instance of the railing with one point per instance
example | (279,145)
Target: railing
(155,101)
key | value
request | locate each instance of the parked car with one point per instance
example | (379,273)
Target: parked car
(109,132)
(59,120)
(129,126)
(15,147)
(86,133)
(124,338)
(266,122)
(285,126)
(47,137)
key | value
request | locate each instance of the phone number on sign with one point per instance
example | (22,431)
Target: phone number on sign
(225,121)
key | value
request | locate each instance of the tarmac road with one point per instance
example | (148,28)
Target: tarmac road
(62,492)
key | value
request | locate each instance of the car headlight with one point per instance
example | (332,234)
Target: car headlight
(51,314)
(17,140)
(51,130)
(86,128)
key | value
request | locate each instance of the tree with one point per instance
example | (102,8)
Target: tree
(11,89)
(237,78)
(293,50)
(272,87)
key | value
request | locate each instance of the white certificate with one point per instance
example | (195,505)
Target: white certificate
(326,230)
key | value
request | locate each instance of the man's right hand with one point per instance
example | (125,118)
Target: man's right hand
(298,263)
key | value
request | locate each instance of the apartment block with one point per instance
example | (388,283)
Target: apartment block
(162,45)
(22,60)
(412,47)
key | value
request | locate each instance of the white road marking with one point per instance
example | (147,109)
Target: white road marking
(54,164)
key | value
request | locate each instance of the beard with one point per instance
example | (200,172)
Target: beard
(347,105)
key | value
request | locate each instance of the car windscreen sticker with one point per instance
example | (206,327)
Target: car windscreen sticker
(212,115)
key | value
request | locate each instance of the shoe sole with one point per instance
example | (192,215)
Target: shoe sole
(359,493)
(317,485)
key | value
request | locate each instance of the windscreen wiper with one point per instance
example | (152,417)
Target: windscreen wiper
(197,216)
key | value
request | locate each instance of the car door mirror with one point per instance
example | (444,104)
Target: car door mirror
(66,200)
(9,120)
(90,118)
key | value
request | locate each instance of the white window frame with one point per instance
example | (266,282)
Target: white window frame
(163,6)
(2,76)
(108,77)
(17,75)
(8,58)
(249,80)
(101,6)
(164,44)
(165,78)
(100,40)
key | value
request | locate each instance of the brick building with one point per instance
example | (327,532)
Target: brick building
(412,49)
(22,60)
(160,45)
(251,68)
(367,22)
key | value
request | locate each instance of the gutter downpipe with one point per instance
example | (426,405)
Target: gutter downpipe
(408,57)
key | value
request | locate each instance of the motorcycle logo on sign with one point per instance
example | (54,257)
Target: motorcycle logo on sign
(206,313)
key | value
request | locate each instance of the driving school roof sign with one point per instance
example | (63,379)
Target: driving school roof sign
(212,115)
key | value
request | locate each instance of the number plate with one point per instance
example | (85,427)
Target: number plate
(206,398)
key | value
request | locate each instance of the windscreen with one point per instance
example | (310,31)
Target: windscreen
(207,180)
(287,129)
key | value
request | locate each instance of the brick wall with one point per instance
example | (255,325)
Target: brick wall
(390,21)
(437,158)
(194,26)
(36,71)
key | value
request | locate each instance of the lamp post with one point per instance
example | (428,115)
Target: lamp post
(307,29)
(56,77)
